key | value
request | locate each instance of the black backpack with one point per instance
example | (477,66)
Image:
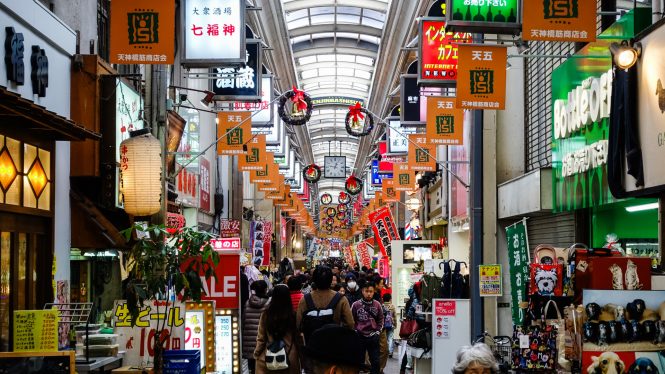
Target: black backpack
(315,318)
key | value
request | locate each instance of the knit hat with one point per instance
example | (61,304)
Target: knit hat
(347,349)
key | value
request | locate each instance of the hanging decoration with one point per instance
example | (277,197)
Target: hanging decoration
(331,212)
(359,122)
(343,198)
(329,221)
(301,109)
(141,173)
(326,199)
(311,173)
(342,208)
(353,185)
(341,216)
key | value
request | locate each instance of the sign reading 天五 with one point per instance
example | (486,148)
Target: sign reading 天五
(560,20)
(445,123)
(481,82)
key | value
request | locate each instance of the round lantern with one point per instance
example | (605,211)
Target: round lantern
(326,199)
(331,212)
(342,208)
(353,185)
(341,216)
(343,198)
(141,173)
(311,173)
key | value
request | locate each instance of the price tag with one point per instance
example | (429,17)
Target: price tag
(524,341)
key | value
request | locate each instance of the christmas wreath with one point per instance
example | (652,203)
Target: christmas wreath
(311,173)
(353,185)
(326,199)
(342,208)
(301,109)
(359,122)
(343,198)
(331,212)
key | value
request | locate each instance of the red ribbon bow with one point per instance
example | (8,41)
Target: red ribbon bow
(356,113)
(298,99)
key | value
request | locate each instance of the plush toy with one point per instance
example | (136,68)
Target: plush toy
(636,309)
(592,311)
(608,313)
(649,331)
(614,331)
(603,333)
(660,332)
(590,330)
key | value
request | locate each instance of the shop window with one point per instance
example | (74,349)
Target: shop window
(10,181)
(25,174)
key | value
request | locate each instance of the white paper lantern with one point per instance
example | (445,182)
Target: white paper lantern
(141,174)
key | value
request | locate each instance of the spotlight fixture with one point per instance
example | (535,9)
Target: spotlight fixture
(207,99)
(625,55)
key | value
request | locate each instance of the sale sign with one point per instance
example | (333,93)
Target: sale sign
(385,231)
(445,123)
(234,130)
(481,82)
(559,20)
(446,308)
(224,288)
(438,58)
(229,228)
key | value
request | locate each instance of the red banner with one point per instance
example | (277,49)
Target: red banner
(224,288)
(383,226)
(204,196)
(261,236)
(364,256)
(229,228)
(349,257)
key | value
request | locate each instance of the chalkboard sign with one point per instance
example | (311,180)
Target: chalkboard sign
(37,362)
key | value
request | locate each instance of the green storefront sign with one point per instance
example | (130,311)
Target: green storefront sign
(581,106)
(496,16)
(518,265)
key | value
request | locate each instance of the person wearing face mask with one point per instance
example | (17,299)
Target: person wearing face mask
(352,293)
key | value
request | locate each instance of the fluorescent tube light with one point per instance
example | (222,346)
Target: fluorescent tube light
(639,208)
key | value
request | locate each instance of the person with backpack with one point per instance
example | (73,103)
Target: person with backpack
(255,306)
(278,341)
(389,321)
(368,316)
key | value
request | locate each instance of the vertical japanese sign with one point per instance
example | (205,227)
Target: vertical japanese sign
(481,83)
(213,32)
(385,231)
(364,257)
(560,20)
(35,330)
(235,130)
(204,196)
(128,106)
(138,342)
(142,32)
(422,155)
(438,57)
(445,124)
(518,260)
(261,236)
(397,141)
(404,178)
(490,280)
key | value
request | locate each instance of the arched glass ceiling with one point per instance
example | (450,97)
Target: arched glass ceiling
(335,45)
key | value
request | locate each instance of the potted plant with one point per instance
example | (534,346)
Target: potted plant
(165,263)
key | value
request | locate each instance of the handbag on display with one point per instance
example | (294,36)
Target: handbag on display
(546,273)
(536,347)
(407,327)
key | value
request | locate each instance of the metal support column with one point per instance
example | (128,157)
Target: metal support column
(476,256)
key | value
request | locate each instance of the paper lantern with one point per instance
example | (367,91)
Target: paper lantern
(141,173)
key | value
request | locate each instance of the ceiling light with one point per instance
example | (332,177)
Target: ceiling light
(625,56)
(207,99)
(639,208)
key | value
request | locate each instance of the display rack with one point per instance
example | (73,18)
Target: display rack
(75,314)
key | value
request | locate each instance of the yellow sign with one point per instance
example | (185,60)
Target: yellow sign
(404,178)
(490,280)
(481,77)
(445,123)
(559,20)
(235,131)
(36,330)
(256,150)
(422,155)
(388,189)
(142,32)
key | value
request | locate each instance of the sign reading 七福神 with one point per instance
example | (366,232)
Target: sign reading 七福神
(438,52)
(213,32)
(560,20)
(481,82)
(445,123)
(484,16)
(142,32)
(241,82)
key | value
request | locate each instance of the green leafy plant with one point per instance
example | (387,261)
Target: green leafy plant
(163,262)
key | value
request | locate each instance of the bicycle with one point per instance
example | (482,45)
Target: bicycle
(501,346)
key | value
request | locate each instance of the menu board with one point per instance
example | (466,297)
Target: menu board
(223,344)
(36,330)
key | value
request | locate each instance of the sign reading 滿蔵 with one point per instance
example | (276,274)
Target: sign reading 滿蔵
(481,81)
(445,123)
(235,130)
(142,32)
(241,82)
(560,20)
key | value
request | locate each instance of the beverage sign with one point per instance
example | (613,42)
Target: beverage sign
(241,82)
(213,32)
(36,330)
(235,130)
(481,83)
(484,16)
(518,261)
(445,123)
(142,32)
(422,155)
(560,20)
(438,56)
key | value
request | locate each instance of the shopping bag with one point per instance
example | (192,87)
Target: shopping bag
(407,327)
(534,347)
(546,273)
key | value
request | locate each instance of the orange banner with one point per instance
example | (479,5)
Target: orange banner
(422,155)
(142,32)
(388,189)
(404,178)
(263,175)
(256,153)
(481,80)
(445,124)
(559,20)
(235,130)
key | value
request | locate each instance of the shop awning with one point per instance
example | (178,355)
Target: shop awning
(90,227)
(17,112)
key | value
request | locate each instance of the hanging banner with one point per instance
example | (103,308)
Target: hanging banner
(445,123)
(235,130)
(213,32)
(262,176)
(256,153)
(389,192)
(138,341)
(489,17)
(36,330)
(482,77)
(422,155)
(383,226)
(204,179)
(490,280)
(404,178)
(229,228)
(364,258)
(260,238)
(242,82)
(518,261)
(560,20)
(438,57)
(142,32)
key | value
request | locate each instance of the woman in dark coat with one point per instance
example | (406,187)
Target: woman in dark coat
(256,304)
(278,322)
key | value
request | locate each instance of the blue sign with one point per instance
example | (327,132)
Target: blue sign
(377,177)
